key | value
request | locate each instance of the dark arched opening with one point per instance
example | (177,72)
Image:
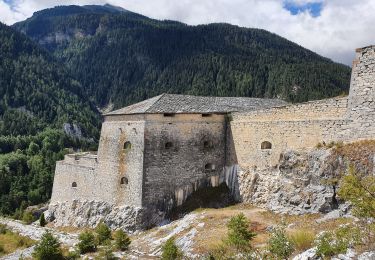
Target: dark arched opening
(74,184)
(209,167)
(127,145)
(124,180)
(266,145)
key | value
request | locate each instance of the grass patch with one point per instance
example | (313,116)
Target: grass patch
(302,239)
(10,242)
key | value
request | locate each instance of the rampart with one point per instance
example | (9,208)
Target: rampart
(155,153)
(259,137)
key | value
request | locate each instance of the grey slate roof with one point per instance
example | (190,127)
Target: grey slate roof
(171,103)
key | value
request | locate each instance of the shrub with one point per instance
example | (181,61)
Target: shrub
(302,239)
(87,242)
(3,229)
(279,244)
(122,240)
(337,242)
(48,248)
(72,255)
(359,189)
(103,232)
(42,220)
(170,251)
(239,234)
(28,217)
(2,250)
(107,254)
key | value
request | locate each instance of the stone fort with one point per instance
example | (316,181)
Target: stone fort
(152,155)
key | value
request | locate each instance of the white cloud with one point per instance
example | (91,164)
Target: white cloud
(342,26)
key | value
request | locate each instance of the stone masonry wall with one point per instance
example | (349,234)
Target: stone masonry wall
(303,126)
(292,127)
(99,177)
(68,172)
(117,162)
(361,109)
(171,173)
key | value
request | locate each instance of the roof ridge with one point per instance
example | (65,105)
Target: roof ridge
(155,102)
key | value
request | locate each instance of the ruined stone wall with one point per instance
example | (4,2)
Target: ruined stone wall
(361,110)
(178,150)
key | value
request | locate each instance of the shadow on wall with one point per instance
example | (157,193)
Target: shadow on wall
(209,197)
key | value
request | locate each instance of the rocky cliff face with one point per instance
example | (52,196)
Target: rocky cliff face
(84,213)
(306,182)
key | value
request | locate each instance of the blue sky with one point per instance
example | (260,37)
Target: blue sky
(332,28)
(314,8)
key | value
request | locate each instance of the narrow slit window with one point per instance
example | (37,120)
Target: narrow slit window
(206,115)
(74,184)
(206,144)
(168,145)
(266,145)
(169,115)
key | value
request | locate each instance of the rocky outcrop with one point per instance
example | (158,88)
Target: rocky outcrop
(84,213)
(303,182)
(72,130)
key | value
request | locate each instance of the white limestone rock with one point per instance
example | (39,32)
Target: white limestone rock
(307,255)
(84,213)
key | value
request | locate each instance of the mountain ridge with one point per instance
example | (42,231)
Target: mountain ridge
(124,58)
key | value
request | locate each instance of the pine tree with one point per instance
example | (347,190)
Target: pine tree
(48,248)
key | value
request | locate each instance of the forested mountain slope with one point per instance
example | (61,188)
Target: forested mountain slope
(122,57)
(36,92)
(37,97)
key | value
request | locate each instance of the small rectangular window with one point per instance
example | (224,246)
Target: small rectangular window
(169,115)
(206,115)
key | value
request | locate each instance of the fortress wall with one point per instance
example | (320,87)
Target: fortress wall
(362,94)
(65,174)
(283,135)
(294,127)
(171,173)
(116,162)
(332,108)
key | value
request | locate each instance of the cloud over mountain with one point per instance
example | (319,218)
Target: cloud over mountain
(333,28)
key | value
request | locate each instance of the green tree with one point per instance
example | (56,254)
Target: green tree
(103,232)
(122,240)
(48,248)
(33,149)
(239,233)
(87,242)
(359,189)
(42,220)
(170,251)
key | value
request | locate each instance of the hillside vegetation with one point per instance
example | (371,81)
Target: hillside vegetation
(37,96)
(36,92)
(122,57)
